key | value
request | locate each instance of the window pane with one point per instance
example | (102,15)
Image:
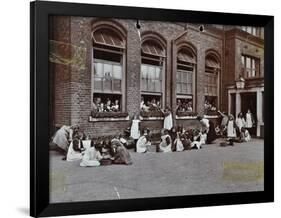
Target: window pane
(144,71)
(150,85)
(184,88)
(98,84)
(151,72)
(144,84)
(178,76)
(248,62)
(98,70)
(254,31)
(117,72)
(157,86)
(117,85)
(189,79)
(107,70)
(189,88)
(242,61)
(214,91)
(184,77)
(158,73)
(253,64)
(107,85)
(179,88)
(254,73)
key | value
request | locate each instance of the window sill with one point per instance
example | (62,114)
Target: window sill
(151,118)
(108,119)
(186,117)
(211,116)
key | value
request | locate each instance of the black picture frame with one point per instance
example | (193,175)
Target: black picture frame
(39,134)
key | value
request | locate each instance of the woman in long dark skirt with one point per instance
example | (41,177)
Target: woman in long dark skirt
(208,127)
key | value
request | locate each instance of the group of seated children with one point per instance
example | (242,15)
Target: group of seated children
(108,106)
(184,105)
(100,151)
(152,105)
(177,139)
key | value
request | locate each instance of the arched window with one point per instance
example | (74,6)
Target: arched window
(186,67)
(108,82)
(152,72)
(211,88)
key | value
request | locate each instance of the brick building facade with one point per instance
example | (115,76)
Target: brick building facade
(163,61)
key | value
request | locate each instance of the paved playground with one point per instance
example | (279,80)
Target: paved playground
(212,169)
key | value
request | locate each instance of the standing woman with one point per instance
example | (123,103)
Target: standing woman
(208,128)
(240,123)
(249,121)
(231,129)
(64,136)
(135,130)
(168,120)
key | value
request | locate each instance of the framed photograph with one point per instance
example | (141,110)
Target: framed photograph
(142,109)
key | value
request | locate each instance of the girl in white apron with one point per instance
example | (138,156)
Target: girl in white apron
(166,142)
(168,120)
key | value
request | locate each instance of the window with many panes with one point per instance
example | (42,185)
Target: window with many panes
(152,74)
(250,66)
(212,69)
(256,31)
(107,80)
(186,63)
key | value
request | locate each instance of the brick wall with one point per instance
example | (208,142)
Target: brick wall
(72,83)
(238,43)
(61,75)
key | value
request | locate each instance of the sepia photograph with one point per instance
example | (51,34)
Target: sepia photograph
(144,109)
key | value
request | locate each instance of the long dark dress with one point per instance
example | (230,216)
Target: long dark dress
(211,136)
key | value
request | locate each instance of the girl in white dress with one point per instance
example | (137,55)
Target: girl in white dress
(240,121)
(75,150)
(249,121)
(178,143)
(91,158)
(142,144)
(135,130)
(231,129)
(166,142)
(245,135)
(168,120)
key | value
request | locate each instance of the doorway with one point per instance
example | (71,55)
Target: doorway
(249,101)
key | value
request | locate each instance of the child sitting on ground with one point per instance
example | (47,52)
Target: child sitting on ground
(92,156)
(75,149)
(120,154)
(245,135)
(185,139)
(178,143)
(143,143)
(166,142)
(199,139)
